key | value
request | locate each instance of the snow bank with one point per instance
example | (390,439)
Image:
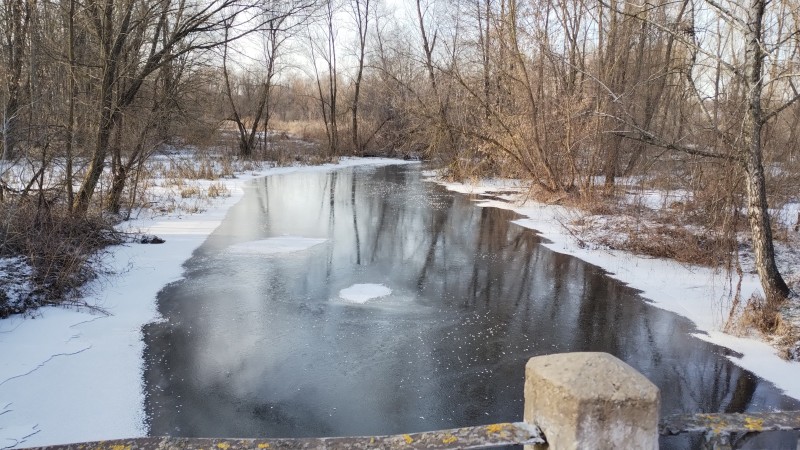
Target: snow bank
(362,293)
(698,293)
(70,376)
(276,245)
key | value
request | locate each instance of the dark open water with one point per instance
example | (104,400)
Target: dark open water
(257,345)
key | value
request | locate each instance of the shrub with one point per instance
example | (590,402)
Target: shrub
(218,190)
(190,191)
(62,250)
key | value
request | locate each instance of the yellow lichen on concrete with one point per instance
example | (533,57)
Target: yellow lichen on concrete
(263,445)
(408,439)
(495,428)
(223,446)
(717,425)
(754,424)
(449,439)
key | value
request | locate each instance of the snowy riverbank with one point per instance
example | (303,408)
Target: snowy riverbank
(698,293)
(71,376)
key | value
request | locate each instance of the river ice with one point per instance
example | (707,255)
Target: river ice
(362,293)
(276,245)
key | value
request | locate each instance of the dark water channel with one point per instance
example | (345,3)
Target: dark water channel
(257,345)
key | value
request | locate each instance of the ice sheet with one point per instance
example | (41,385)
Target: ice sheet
(276,245)
(362,293)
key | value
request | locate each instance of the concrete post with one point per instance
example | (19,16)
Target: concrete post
(590,401)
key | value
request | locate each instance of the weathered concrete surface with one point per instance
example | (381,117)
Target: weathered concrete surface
(480,437)
(590,401)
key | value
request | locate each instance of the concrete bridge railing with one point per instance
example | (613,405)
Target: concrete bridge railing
(591,400)
(572,401)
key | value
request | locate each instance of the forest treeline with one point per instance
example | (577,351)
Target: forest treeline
(579,97)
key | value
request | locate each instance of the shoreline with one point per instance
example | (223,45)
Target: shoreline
(699,294)
(75,376)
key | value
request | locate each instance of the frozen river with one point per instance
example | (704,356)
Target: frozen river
(366,301)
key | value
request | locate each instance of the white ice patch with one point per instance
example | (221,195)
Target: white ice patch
(362,293)
(276,245)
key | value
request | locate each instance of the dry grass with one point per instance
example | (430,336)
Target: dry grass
(481,165)
(218,190)
(677,243)
(306,130)
(189,170)
(199,165)
(764,316)
(62,249)
(182,180)
(289,143)
(193,208)
(190,192)
(637,229)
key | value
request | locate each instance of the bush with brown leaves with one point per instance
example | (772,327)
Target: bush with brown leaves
(62,250)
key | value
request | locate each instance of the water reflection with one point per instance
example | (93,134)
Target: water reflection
(258,345)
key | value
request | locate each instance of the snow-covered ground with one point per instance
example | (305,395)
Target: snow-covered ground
(71,376)
(698,293)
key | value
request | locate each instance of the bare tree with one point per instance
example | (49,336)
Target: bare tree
(247,135)
(16,28)
(164,30)
(738,137)
(429,40)
(72,92)
(361,14)
(280,20)
(322,45)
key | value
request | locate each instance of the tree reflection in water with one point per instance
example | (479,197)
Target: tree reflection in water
(261,346)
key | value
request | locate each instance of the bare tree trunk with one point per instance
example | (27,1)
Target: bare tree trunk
(72,99)
(34,132)
(333,86)
(112,49)
(616,54)
(9,128)
(96,164)
(18,13)
(247,137)
(428,46)
(328,101)
(536,152)
(119,172)
(483,13)
(272,52)
(757,207)
(361,15)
